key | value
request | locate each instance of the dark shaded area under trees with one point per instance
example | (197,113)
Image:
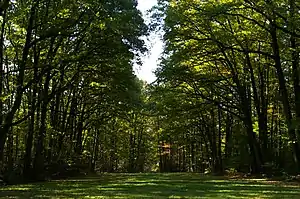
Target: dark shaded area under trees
(227,95)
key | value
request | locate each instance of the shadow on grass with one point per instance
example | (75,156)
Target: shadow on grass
(177,185)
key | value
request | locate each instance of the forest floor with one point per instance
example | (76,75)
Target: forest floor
(175,185)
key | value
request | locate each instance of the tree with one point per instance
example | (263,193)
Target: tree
(234,55)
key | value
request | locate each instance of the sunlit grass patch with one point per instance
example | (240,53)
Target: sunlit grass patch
(175,185)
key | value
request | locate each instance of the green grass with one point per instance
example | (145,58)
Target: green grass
(177,185)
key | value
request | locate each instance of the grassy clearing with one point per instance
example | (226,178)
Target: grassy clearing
(178,185)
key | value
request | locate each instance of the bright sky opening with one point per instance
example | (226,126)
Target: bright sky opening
(150,61)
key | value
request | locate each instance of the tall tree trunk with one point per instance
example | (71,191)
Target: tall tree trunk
(228,138)
(79,131)
(263,118)
(262,122)
(95,151)
(220,162)
(10,151)
(213,144)
(284,95)
(29,140)
(245,104)
(295,68)
(2,64)
(2,76)
(4,129)
(252,142)
(39,154)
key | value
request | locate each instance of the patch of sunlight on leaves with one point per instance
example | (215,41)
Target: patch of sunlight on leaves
(65,13)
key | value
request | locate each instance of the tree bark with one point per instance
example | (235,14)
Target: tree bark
(39,153)
(4,129)
(284,96)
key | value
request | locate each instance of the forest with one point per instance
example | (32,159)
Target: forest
(226,97)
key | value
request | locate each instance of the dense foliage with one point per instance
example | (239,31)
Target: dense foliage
(227,95)
(228,85)
(68,94)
